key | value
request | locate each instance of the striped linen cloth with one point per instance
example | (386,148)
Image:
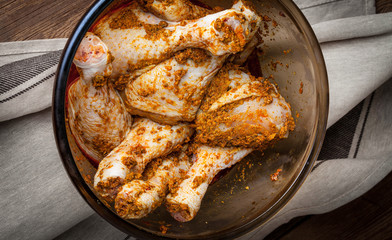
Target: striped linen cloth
(27,72)
(37,201)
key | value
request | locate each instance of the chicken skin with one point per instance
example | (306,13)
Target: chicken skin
(139,40)
(172,65)
(146,140)
(97,116)
(140,197)
(242,111)
(173,90)
(185,201)
(240,114)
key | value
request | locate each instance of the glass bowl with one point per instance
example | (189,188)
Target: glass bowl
(245,197)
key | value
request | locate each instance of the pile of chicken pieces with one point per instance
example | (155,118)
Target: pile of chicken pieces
(162,104)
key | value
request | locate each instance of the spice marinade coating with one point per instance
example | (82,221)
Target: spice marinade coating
(223,123)
(155,62)
(172,91)
(113,169)
(139,197)
(138,39)
(96,114)
(147,140)
(240,113)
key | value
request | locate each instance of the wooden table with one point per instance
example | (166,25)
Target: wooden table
(368,217)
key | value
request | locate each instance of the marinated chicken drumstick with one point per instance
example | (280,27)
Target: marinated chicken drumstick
(97,116)
(138,198)
(240,113)
(249,113)
(138,39)
(173,90)
(185,202)
(146,140)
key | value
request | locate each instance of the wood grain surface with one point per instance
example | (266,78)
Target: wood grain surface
(39,19)
(368,217)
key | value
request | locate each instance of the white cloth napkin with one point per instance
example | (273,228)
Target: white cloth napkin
(37,200)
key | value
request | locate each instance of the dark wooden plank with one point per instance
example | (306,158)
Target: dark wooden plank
(25,20)
(368,217)
(39,19)
(383,6)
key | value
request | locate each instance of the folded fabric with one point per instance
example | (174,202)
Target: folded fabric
(357,160)
(27,72)
(356,65)
(325,10)
(39,202)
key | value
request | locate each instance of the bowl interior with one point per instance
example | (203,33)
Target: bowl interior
(245,196)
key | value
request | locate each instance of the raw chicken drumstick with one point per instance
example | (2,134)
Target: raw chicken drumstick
(240,113)
(249,113)
(138,198)
(138,39)
(97,116)
(175,10)
(185,202)
(146,140)
(173,90)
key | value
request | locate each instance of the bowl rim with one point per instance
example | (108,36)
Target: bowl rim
(59,128)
